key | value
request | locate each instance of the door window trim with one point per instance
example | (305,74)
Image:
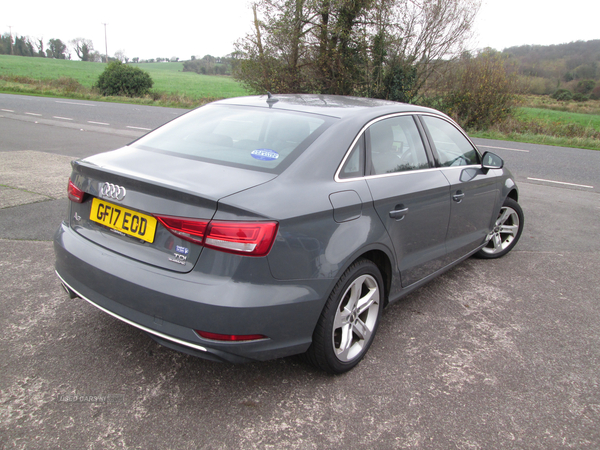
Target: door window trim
(433,164)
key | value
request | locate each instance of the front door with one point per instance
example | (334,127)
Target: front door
(474,191)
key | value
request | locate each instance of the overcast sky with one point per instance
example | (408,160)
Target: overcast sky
(183,28)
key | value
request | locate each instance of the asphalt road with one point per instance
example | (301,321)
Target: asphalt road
(493,354)
(100,116)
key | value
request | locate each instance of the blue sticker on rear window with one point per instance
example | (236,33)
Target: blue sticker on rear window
(265,154)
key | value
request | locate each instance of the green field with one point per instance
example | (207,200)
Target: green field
(555,117)
(85,73)
(168,77)
(549,127)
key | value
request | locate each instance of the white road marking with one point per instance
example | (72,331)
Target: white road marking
(98,123)
(8,110)
(33,114)
(63,118)
(75,103)
(140,128)
(504,148)
(561,182)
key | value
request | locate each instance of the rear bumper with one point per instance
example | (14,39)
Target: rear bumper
(170,306)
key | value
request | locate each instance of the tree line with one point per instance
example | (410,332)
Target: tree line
(566,71)
(84,50)
(209,65)
(55,48)
(572,61)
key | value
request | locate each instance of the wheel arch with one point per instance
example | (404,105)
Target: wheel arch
(383,262)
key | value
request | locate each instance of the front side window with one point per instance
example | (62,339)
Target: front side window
(255,138)
(452,147)
(396,146)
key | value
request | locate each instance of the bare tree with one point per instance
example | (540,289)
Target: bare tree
(39,44)
(83,48)
(429,32)
(120,55)
(56,49)
(360,47)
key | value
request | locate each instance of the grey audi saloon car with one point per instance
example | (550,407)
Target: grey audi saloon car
(259,227)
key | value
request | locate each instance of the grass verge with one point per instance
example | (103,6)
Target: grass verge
(70,88)
(542,120)
(542,139)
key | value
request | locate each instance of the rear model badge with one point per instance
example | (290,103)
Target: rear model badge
(179,259)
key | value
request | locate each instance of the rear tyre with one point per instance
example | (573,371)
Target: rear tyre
(349,319)
(506,233)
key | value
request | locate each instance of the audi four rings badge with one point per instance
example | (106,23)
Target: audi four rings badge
(109,190)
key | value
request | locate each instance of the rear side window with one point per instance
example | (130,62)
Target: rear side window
(396,146)
(452,147)
(255,138)
(354,165)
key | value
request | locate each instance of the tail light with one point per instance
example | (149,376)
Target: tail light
(75,194)
(251,238)
(240,238)
(188,229)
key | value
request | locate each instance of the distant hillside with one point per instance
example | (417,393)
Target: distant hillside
(560,65)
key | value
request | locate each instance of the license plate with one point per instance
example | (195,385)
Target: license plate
(124,220)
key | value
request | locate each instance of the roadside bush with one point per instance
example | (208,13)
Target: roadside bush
(537,85)
(68,85)
(480,92)
(595,95)
(585,86)
(579,97)
(121,79)
(562,95)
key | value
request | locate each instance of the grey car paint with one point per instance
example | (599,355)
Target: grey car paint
(325,224)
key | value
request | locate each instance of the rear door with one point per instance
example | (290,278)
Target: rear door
(410,196)
(474,191)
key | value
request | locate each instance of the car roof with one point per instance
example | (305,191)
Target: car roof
(329,105)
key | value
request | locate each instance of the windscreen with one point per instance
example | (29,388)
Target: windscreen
(256,138)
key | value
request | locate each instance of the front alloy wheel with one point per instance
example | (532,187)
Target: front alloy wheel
(349,319)
(506,232)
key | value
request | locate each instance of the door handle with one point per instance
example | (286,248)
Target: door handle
(399,212)
(458,196)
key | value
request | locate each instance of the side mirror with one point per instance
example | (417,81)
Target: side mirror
(492,161)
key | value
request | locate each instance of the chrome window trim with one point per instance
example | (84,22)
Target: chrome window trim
(358,136)
(388,116)
(405,172)
(469,166)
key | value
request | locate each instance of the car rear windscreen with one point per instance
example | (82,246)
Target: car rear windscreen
(256,138)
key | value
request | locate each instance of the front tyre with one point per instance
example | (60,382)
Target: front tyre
(506,233)
(349,319)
